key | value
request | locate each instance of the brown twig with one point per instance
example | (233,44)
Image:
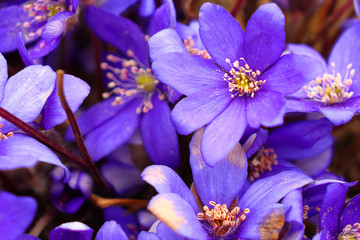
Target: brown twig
(133,204)
(76,130)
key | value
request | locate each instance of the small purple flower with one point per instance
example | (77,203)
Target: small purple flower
(335,91)
(44,19)
(135,99)
(244,83)
(306,145)
(224,204)
(337,219)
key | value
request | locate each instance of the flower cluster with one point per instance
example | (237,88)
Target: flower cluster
(190,121)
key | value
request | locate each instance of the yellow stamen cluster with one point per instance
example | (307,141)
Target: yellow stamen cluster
(350,232)
(242,80)
(128,79)
(222,221)
(5,136)
(331,88)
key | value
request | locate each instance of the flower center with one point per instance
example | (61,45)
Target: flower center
(242,80)
(4,136)
(350,232)
(222,221)
(40,12)
(129,79)
(262,162)
(189,45)
(331,88)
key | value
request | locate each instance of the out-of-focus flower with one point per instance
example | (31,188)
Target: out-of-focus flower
(335,91)
(224,204)
(16,214)
(44,19)
(306,145)
(69,197)
(246,86)
(136,98)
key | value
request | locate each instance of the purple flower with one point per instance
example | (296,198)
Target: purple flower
(243,84)
(335,90)
(46,20)
(69,197)
(24,95)
(135,99)
(243,211)
(16,214)
(306,145)
(337,219)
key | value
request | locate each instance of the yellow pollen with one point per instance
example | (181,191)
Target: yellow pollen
(350,232)
(222,221)
(261,163)
(242,79)
(331,88)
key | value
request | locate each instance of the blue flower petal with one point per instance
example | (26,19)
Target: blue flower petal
(178,215)
(71,231)
(28,237)
(118,31)
(160,20)
(263,223)
(114,132)
(216,143)
(111,231)
(221,34)
(146,8)
(166,233)
(159,134)
(165,180)
(222,182)
(95,116)
(295,215)
(265,108)
(317,164)
(75,90)
(350,214)
(21,150)
(3,75)
(163,42)
(264,30)
(115,6)
(290,73)
(24,54)
(344,52)
(302,49)
(148,236)
(331,209)
(16,215)
(188,73)
(199,109)
(271,189)
(26,93)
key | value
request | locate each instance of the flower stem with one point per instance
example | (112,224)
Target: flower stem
(107,202)
(76,130)
(32,132)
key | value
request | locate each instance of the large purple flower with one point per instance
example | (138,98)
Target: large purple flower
(44,19)
(136,98)
(335,90)
(243,84)
(223,206)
